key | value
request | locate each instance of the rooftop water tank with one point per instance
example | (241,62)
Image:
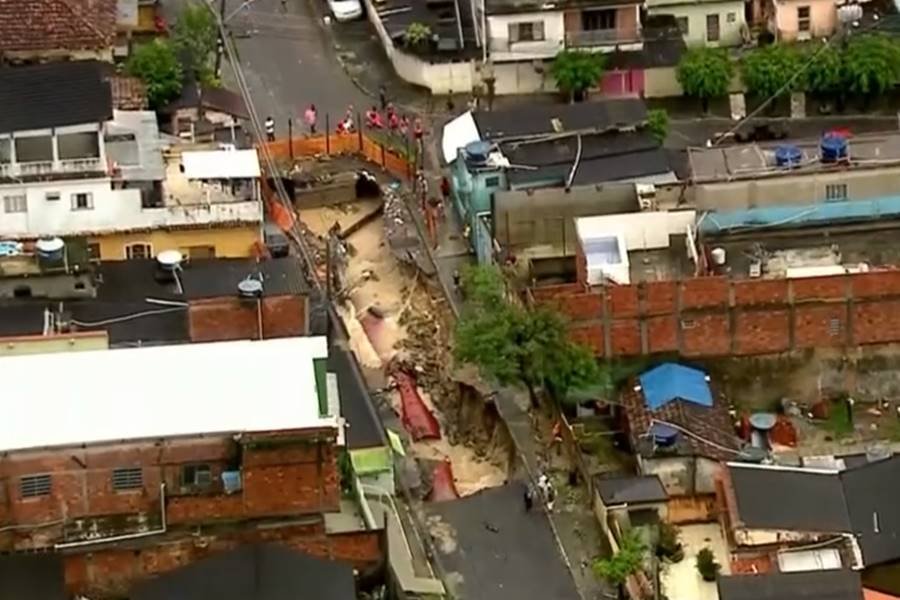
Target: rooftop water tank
(250,288)
(833,148)
(50,249)
(169,260)
(788,156)
(477,153)
(663,435)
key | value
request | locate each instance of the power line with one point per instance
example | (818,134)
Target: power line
(263,149)
(790,82)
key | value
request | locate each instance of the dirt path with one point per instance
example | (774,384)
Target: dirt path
(393,317)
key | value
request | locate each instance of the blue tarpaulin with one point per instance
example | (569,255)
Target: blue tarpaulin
(670,381)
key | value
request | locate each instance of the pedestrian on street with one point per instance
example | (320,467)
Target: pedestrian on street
(418,132)
(404,126)
(382,95)
(311,116)
(551,497)
(456,279)
(529,498)
(445,189)
(543,483)
(270,128)
(450,105)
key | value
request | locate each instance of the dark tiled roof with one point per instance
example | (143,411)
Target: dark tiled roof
(610,156)
(711,428)
(815,585)
(35,577)
(871,492)
(53,95)
(790,499)
(622,490)
(253,572)
(44,25)
(218,99)
(364,428)
(535,119)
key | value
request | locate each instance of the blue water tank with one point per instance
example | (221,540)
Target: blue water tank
(834,148)
(476,153)
(663,435)
(788,156)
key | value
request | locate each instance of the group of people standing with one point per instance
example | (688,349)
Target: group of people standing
(545,490)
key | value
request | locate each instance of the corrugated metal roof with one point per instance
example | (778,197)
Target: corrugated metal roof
(670,381)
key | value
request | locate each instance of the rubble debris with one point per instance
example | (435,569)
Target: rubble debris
(443,486)
(416,417)
(400,232)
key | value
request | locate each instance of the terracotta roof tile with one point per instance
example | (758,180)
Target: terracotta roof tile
(712,424)
(128,93)
(43,25)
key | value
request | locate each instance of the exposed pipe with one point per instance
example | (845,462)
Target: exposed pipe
(577,162)
(129,536)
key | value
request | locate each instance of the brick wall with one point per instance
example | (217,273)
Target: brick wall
(718,316)
(221,319)
(111,572)
(281,476)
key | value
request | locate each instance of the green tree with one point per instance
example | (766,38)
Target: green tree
(707,565)
(514,345)
(871,65)
(157,66)
(705,73)
(416,34)
(658,124)
(627,561)
(575,72)
(195,35)
(825,72)
(765,71)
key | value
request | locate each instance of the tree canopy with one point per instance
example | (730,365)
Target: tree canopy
(658,124)
(575,71)
(871,65)
(195,36)
(825,71)
(157,66)
(625,562)
(765,71)
(705,73)
(514,345)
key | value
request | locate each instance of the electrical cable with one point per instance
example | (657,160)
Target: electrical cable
(812,59)
(123,318)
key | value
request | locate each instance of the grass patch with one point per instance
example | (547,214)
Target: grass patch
(838,422)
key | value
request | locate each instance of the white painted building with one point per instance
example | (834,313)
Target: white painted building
(95,172)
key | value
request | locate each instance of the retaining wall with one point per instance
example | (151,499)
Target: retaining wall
(718,316)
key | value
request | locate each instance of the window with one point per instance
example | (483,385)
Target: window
(836,191)
(731,17)
(82,201)
(712,28)
(196,476)
(52,196)
(834,327)
(127,479)
(683,25)
(93,250)
(33,486)
(593,20)
(492,181)
(803,20)
(526,32)
(139,251)
(15,204)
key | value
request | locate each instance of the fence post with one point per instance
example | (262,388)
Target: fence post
(359,128)
(382,154)
(291,138)
(409,174)
(327,135)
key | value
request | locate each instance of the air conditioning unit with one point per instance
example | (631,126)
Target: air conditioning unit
(646,196)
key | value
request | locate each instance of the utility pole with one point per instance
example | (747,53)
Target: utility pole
(220,44)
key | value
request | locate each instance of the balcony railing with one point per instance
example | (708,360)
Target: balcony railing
(50,167)
(600,37)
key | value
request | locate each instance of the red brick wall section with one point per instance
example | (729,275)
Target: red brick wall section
(716,316)
(297,476)
(112,572)
(221,319)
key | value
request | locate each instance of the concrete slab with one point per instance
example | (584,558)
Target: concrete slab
(681,581)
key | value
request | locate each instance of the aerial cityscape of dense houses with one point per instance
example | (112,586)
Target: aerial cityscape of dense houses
(465,299)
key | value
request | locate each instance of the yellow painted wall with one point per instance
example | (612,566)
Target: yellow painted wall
(229,243)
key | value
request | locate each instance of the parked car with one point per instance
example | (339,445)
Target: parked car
(345,10)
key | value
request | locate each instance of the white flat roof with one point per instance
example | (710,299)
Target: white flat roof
(73,398)
(220,164)
(457,134)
